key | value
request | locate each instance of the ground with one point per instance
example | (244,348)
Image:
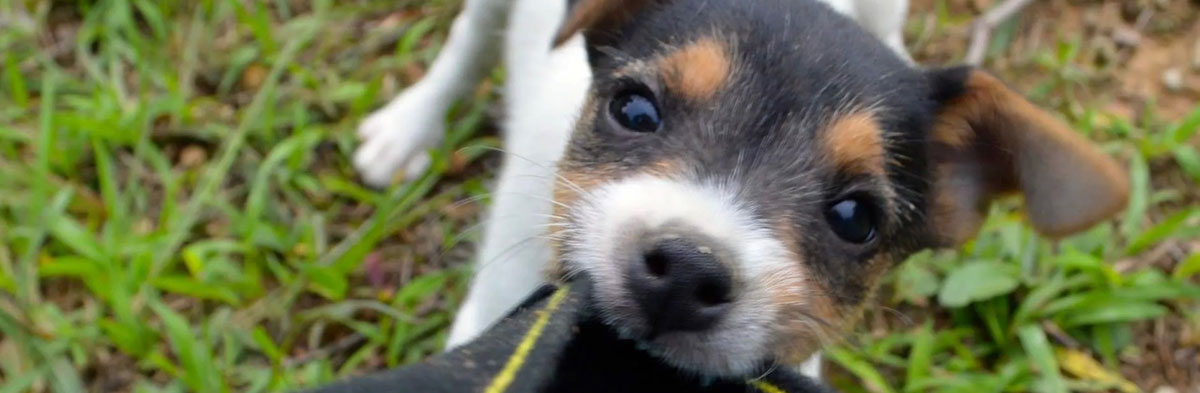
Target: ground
(177,210)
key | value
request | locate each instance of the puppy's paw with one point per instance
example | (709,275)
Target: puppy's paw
(397,137)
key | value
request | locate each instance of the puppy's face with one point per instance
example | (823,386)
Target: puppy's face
(744,172)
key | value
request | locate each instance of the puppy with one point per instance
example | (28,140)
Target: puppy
(742,173)
(544,92)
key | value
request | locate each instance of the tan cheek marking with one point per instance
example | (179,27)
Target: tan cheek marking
(855,142)
(802,298)
(820,322)
(806,318)
(567,191)
(575,180)
(696,71)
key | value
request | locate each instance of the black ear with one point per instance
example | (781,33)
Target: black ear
(599,20)
(988,141)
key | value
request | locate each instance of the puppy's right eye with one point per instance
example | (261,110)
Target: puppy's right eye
(635,111)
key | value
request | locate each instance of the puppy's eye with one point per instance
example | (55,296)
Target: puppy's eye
(852,219)
(635,111)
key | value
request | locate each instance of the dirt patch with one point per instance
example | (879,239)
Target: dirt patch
(1129,54)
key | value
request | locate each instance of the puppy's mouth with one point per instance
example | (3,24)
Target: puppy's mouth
(675,296)
(682,270)
(693,322)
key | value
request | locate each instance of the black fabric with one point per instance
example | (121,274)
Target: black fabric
(573,353)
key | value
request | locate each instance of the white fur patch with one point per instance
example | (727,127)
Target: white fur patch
(603,236)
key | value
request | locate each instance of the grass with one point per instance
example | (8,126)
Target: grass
(177,213)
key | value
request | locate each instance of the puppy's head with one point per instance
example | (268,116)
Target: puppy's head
(745,171)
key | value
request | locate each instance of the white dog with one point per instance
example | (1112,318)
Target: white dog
(545,90)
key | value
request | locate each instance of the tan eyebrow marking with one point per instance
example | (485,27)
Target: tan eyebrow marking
(698,70)
(855,144)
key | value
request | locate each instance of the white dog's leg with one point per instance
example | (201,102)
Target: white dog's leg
(397,136)
(885,19)
(544,91)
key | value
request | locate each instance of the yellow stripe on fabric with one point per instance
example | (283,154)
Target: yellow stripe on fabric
(766,387)
(509,372)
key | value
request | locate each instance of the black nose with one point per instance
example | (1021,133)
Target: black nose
(680,286)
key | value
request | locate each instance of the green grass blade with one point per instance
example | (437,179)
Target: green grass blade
(16,82)
(920,358)
(871,378)
(1139,195)
(1188,267)
(1033,339)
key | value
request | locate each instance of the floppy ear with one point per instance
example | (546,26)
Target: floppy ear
(599,20)
(988,141)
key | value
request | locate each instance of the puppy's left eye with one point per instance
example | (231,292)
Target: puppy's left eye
(852,219)
(635,111)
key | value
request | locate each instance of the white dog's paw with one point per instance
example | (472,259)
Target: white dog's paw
(396,138)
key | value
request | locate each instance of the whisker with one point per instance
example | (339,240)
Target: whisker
(481,196)
(481,223)
(558,180)
(904,318)
(769,370)
(516,246)
(473,228)
(554,171)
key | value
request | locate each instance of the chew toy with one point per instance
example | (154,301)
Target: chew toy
(554,343)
